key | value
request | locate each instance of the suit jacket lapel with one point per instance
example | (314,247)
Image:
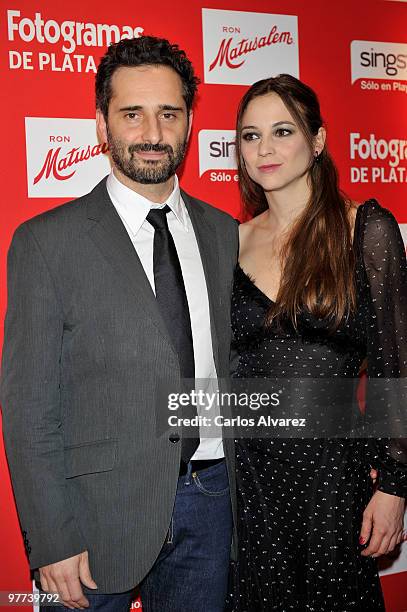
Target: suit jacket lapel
(205,233)
(110,236)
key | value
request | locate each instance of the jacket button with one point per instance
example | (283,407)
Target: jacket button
(174,438)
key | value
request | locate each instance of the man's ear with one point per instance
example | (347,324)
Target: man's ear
(101,126)
(190,118)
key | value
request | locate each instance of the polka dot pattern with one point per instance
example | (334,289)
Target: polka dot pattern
(300,501)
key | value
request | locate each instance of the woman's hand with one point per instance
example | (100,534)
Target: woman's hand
(382,523)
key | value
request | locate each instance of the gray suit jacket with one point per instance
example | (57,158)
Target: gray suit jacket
(85,352)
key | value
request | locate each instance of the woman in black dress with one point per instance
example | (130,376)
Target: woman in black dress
(321,287)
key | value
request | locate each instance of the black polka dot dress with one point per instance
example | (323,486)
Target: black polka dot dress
(300,501)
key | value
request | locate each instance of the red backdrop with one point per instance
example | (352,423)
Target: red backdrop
(353,54)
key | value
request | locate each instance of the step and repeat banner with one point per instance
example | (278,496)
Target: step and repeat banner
(354,54)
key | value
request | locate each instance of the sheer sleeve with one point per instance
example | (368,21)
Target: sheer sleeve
(384,262)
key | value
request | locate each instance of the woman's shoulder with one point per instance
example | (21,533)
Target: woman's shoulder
(373,209)
(248,228)
(253,223)
(376,226)
(375,217)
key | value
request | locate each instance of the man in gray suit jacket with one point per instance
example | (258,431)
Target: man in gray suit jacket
(114,299)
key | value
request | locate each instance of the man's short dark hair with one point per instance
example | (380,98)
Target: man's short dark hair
(143,51)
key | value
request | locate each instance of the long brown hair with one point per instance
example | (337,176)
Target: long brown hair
(317,258)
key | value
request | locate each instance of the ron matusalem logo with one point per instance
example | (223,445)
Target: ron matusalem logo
(241,47)
(64,158)
(382,61)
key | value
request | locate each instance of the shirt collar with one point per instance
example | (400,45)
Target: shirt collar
(134,208)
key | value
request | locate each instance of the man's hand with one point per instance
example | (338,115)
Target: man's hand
(382,523)
(65,578)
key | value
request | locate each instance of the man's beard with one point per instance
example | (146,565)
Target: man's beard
(146,171)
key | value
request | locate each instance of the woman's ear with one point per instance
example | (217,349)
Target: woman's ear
(319,141)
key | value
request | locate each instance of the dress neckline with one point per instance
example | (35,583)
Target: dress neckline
(252,280)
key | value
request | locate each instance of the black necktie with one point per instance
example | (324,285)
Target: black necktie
(172,300)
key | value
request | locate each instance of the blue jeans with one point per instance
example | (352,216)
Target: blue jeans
(112,602)
(191,572)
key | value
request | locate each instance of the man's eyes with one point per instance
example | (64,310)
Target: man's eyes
(167,116)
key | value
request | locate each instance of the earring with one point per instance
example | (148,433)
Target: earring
(317,156)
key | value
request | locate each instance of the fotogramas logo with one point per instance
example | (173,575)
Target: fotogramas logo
(64,158)
(217,154)
(241,48)
(40,42)
(377,159)
(373,61)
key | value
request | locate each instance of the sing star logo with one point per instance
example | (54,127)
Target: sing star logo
(240,47)
(64,158)
(216,150)
(373,61)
